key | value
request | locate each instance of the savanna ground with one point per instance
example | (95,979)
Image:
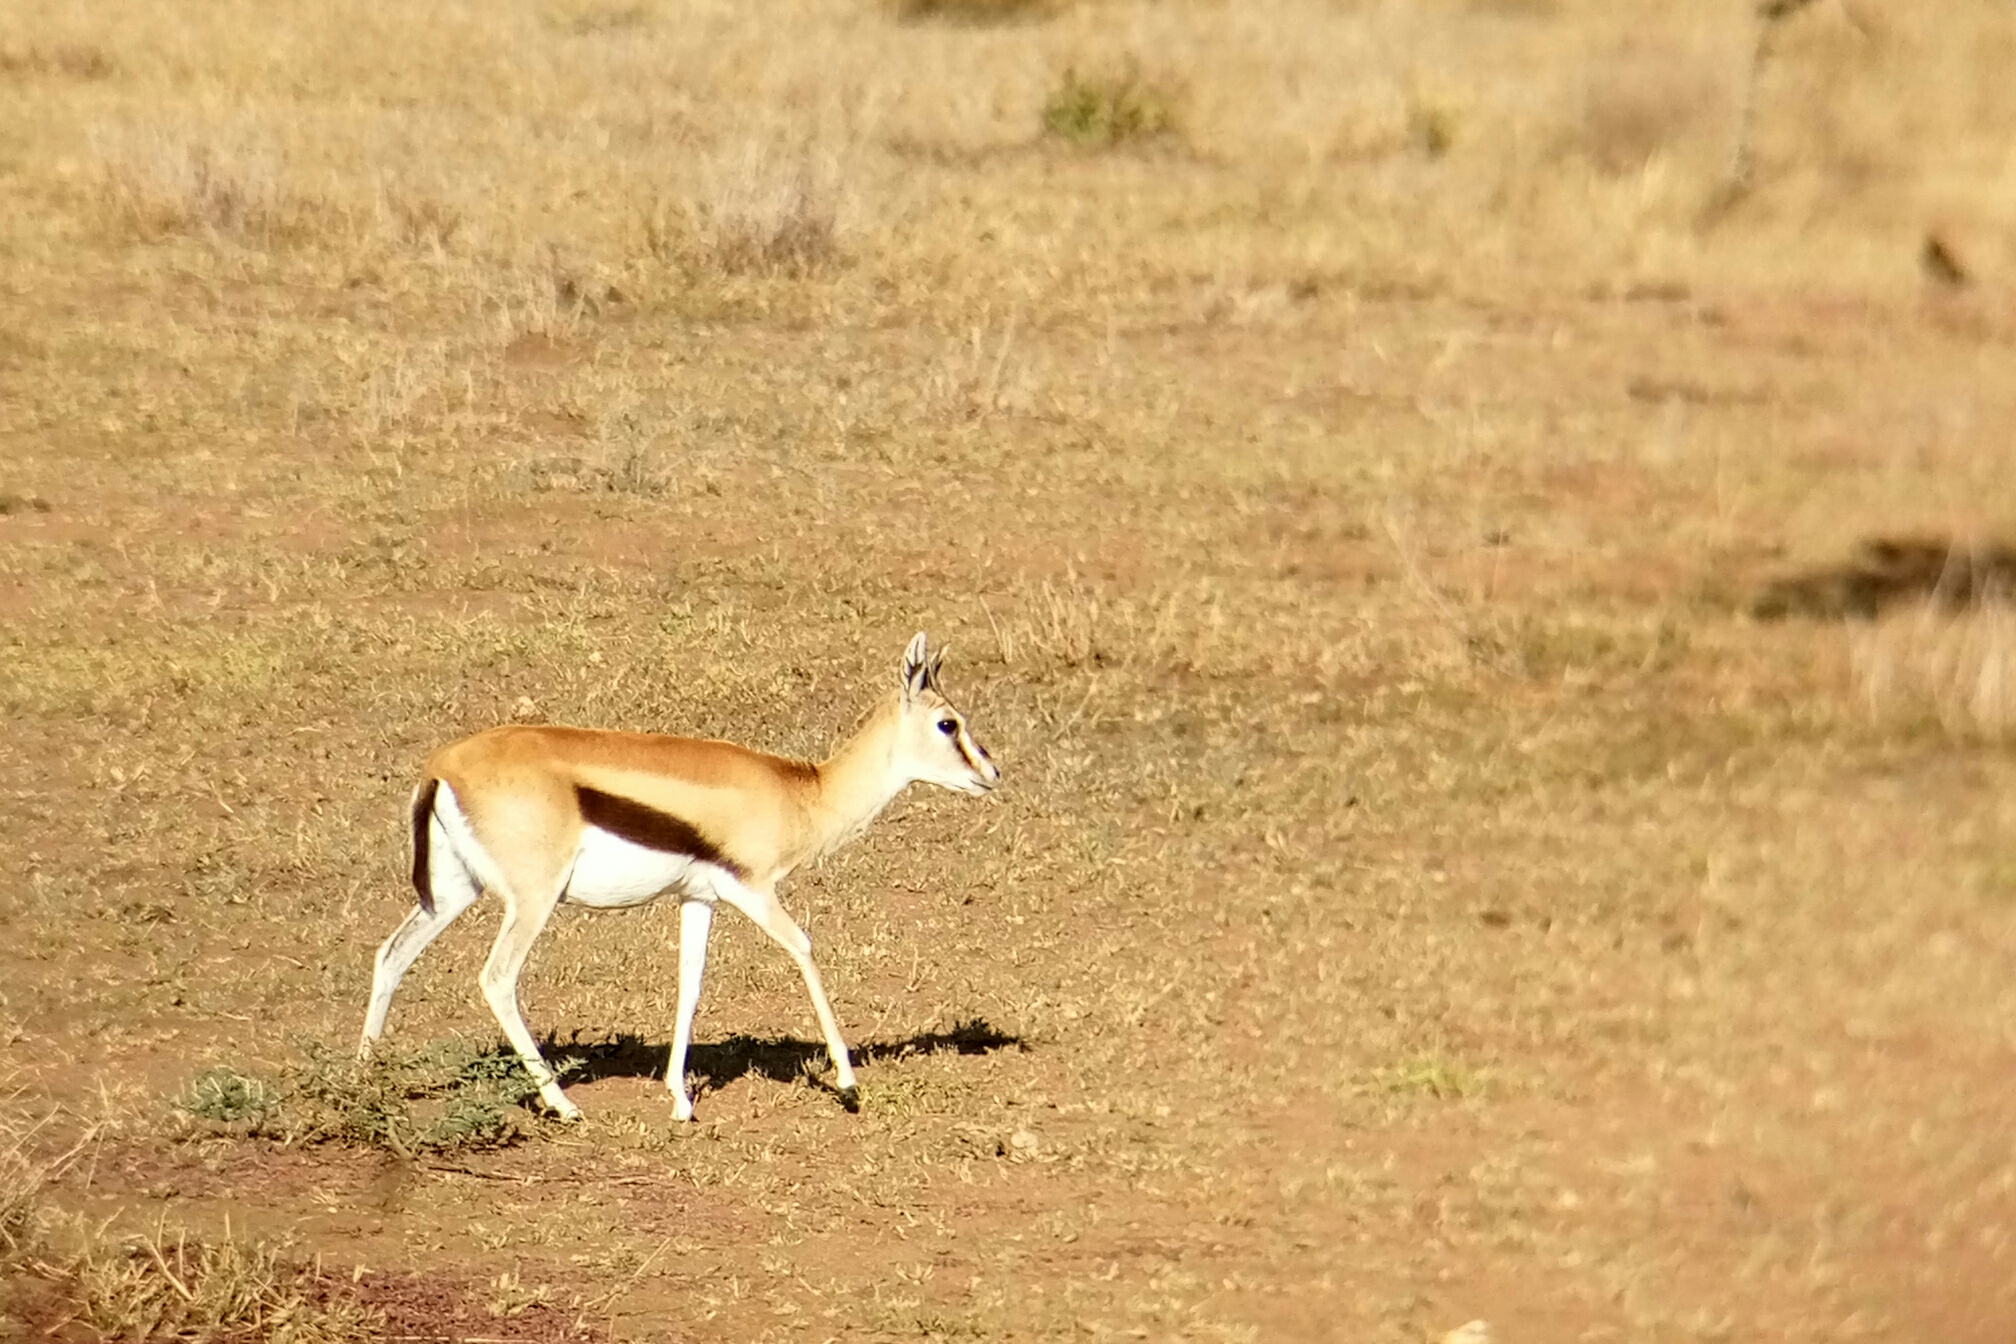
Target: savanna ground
(1337,440)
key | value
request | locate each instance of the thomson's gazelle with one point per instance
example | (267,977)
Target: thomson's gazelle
(543,815)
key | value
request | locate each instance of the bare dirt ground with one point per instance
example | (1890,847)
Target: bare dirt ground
(1340,443)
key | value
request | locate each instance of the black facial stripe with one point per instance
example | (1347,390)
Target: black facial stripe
(642,824)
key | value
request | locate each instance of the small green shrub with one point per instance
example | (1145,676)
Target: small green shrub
(229,1097)
(1431,127)
(1100,112)
(445,1097)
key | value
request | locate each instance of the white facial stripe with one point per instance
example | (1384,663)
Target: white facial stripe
(976,756)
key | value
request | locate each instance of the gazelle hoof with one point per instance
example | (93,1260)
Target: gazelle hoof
(850,1097)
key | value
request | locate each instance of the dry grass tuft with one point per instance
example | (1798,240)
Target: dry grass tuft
(227,1287)
(27,1170)
(1634,110)
(159,182)
(510,1295)
(147,1286)
(14,503)
(765,212)
(1103,111)
(596,17)
(1932,664)
(632,472)
(22,1179)
(66,60)
(975,13)
(981,376)
(1074,624)
(418,221)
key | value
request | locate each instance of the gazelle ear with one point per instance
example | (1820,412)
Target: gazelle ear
(916,665)
(931,667)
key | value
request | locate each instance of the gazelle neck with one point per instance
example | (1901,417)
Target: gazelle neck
(856,782)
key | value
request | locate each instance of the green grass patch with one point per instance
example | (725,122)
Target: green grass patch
(228,1097)
(1105,111)
(444,1097)
(1428,1076)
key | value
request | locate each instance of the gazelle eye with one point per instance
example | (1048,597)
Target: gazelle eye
(948,726)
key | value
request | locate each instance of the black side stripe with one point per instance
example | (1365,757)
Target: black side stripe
(644,825)
(423,839)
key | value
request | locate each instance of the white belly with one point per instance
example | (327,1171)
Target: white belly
(611,872)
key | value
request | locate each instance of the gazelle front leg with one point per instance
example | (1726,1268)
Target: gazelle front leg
(849,1088)
(762,907)
(696,918)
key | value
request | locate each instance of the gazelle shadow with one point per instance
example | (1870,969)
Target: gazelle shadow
(782,1059)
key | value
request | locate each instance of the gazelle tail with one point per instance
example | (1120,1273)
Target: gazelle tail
(423,827)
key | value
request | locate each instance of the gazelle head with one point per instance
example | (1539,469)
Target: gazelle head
(933,743)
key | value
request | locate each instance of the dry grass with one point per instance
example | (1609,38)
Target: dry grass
(763,215)
(166,1287)
(218,182)
(1337,442)
(60,1273)
(1957,670)
(23,1176)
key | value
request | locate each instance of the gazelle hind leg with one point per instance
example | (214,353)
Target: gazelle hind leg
(696,919)
(454,891)
(524,920)
(761,906)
